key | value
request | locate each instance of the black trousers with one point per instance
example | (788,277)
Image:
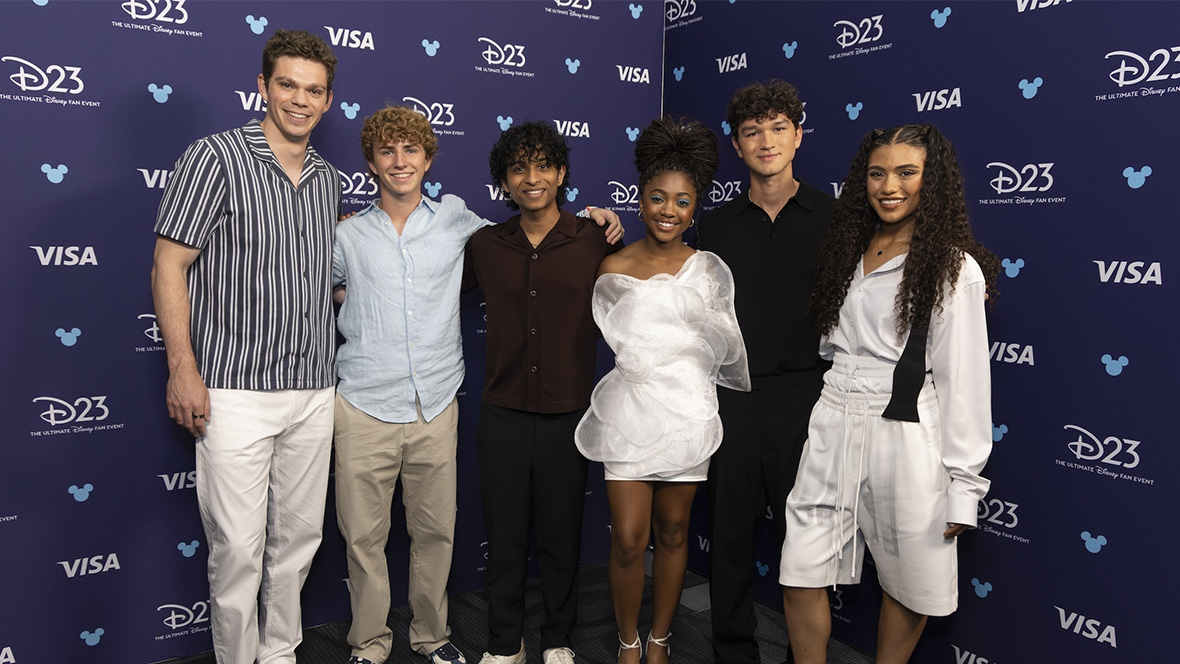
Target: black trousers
(755,466)
(528,460)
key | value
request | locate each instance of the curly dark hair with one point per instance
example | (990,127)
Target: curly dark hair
(683,145)
(298,44)
(759,101)
(942,233)
(531,141)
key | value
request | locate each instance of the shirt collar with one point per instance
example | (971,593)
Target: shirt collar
(567,225)
(805,197)
(256,142)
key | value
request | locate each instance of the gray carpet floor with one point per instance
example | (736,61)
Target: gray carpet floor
(595,640)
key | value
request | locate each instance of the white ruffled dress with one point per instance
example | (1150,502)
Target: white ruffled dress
(675,337)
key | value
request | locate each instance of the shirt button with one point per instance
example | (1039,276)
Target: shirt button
(409,280)
(534,257)
(533,369)
(532,293)
(409,313)
(533,331)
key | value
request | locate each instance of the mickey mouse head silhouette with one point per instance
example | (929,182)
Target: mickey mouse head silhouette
(1093,544)
(1114,366)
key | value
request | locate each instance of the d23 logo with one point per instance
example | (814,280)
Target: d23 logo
(435,113)
(724,191)
(153,331)
(678,9)
(361,184)
(861,32)
(1030,177)
(624,194)
(511,55)
(575,4)
(54,78)
(164,11)
(182,616)
(1111,450)
(998,512)
(1133,68)
(83,409)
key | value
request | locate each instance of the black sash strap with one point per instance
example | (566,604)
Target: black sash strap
(908,377)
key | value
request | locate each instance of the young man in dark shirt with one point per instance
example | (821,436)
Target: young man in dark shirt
(769,236)
(537,272)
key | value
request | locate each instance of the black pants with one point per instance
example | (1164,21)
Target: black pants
(529,460)
(755,466)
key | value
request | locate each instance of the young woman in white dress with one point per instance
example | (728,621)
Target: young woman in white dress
(667,312)
(903,425)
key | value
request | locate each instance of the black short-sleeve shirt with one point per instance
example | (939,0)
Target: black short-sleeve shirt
(773,264)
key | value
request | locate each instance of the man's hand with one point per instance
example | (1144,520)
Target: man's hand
(614,227)
(188,400)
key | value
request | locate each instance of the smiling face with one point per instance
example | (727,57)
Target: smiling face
(668,202)
(768,145)
(534,184)
(296,96)
(400,168)
(894,182)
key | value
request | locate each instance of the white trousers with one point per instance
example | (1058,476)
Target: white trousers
(262,481)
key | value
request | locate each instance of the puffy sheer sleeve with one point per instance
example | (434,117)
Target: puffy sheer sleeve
(732,370)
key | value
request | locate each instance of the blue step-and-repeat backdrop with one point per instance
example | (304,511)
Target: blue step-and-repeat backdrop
(1064,114)
(102,554)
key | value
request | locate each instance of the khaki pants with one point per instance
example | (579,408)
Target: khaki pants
(370,456)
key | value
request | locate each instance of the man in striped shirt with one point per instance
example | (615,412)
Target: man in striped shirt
(241,282)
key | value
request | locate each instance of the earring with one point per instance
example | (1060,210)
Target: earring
(692,222)
(641,219)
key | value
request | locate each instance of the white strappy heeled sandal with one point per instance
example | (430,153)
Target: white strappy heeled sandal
(630,646)
(661,642)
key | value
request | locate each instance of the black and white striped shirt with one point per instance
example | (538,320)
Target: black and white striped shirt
(261,287)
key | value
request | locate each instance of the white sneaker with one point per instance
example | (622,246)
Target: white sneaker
(518,658)
(558,656)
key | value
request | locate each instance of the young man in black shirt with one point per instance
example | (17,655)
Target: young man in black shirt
(769,235)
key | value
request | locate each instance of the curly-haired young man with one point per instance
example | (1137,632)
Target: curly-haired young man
(537,272)
(769,236)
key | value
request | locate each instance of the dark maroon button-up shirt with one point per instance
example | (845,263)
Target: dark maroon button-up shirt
(541,334)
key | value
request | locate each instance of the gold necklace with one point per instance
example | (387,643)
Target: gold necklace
(883,248)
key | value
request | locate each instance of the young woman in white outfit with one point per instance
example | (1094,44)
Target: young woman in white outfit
(903,426)
(667,312)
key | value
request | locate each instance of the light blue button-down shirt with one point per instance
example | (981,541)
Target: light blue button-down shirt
(400,319)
